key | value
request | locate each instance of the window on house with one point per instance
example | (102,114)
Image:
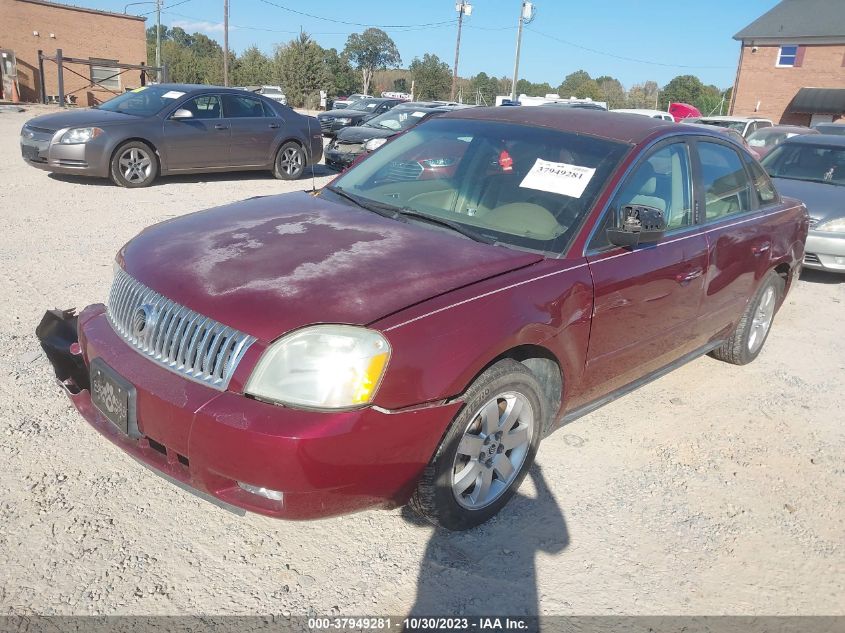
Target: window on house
(787,56)
(105,76)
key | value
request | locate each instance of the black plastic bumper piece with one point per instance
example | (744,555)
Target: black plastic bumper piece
(56,333)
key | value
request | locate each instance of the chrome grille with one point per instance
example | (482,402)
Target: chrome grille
(326,123)
(174,336)
(399,170)
(811,258)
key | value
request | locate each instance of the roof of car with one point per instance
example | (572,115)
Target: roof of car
(196,87)
(639,111)
(800,129)
(831,140)
(732,118)
(625,128)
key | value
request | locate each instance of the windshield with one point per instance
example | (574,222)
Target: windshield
(769,137)
(731,125)
(524,186)
(833,128)
(364,105)
(397,120)
(815,163)
(144,101)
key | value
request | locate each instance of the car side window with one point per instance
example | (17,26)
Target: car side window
(727,189)
(663,181)
(763,187)
(204,107)
(238,107)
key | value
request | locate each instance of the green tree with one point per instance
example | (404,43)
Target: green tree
(683,89)
(401,85)
(572,82)
(252,68)
(301,66)
(643,95)
(613,92)
(342,78)
(483,89)
(370,51)
(190,58)
(432,77)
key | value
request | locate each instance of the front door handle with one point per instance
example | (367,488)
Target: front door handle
(761,248)
(686,277)
(219,126)
(274,126)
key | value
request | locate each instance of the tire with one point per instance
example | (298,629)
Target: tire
(458,491)
(746,341)
(290,161)
(133,165)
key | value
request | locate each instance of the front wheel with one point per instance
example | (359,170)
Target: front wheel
(746,341)
(487,450)
(290,161)
(133,165)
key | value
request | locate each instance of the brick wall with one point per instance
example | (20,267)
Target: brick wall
(79,33)
(761,81)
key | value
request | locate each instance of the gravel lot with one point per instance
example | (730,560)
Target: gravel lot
(716,489)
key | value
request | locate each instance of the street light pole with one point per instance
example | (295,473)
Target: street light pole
(526,14)
(226,43)
(462,8)
(158,40)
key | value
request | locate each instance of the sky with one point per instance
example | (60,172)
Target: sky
(632,40)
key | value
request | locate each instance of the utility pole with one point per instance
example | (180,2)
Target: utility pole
(463,8)
(158,40)
(226,43)
(526,14)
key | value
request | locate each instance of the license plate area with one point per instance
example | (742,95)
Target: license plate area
(30,152)
(114,397)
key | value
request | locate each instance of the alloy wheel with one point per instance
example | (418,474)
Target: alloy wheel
(762,319)
(136,165)
(290,161)
(492,450)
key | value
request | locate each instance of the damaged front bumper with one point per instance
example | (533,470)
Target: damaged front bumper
(235,450)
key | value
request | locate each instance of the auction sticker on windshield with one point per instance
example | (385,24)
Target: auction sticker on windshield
(173,94)
(562,178)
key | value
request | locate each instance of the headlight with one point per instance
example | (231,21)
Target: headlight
(322,366)
(374,143)
(833,226)
(344,120)
(78,135)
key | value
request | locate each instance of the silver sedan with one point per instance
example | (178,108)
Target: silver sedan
(173,129)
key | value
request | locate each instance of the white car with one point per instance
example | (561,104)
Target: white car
(273,92)
(745,125)
(339,104)
(654,114)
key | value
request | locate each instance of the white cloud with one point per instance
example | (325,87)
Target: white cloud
(191,26)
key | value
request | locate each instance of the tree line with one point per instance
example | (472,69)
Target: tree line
(370,63)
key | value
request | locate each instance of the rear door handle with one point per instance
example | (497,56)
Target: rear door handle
(761,248)
(685,278)
(274,126)
(220,126)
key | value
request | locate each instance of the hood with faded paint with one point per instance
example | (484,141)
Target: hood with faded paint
(80,118)
(825,201)
(269,265)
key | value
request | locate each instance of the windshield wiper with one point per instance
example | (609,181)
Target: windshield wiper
(386,211)
(455,226)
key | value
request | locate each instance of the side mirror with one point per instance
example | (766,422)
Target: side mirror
(640,225)
(182,113)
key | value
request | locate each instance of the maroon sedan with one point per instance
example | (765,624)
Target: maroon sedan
(397,338)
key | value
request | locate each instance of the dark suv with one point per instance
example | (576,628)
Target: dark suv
(356,114)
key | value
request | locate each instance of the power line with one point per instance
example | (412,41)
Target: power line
(379,26)
(163,8)
(627,59)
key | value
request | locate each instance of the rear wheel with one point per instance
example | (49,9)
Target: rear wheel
(134,164)
(290,161)
(747,340)
(487,450)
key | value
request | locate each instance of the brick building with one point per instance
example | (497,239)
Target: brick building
(29,25)
(792,63)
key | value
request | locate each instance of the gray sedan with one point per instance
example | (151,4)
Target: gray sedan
(812,169)
(173,129)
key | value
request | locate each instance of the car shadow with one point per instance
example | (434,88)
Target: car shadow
(821,276)
(320,171)
(491,570)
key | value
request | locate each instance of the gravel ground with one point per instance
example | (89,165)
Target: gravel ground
(715,490)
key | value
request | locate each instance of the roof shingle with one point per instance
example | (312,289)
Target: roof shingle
(799,18)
